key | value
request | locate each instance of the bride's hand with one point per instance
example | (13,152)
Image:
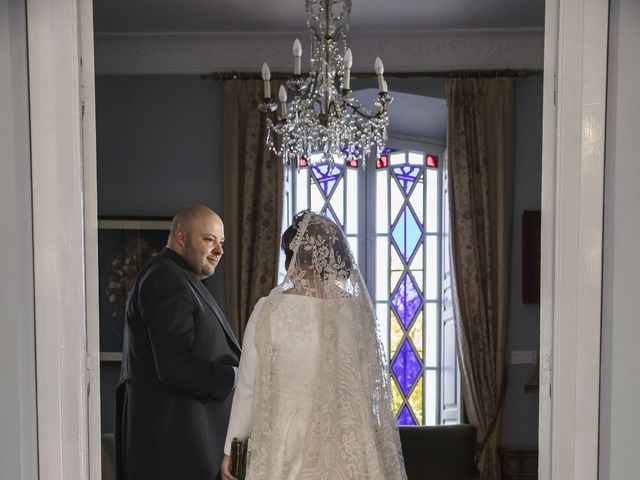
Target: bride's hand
(226,465)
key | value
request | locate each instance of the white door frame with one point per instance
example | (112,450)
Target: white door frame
(572,207)
(60,33)
(90,175)
(65,236)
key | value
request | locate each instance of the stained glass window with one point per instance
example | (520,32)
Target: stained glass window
(407,234)
(399,213)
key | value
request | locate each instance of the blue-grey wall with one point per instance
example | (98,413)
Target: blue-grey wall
(520,415)
(159,141)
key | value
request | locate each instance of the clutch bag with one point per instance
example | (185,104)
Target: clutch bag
(238,465)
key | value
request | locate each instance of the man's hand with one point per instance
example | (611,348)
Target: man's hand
(226,465)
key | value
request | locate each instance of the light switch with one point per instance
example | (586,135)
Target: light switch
(524,357)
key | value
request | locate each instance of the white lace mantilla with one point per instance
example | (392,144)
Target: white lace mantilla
(313,394)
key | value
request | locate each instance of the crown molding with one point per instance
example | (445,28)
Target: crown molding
(403,51)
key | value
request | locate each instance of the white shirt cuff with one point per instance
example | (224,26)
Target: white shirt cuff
(235,379)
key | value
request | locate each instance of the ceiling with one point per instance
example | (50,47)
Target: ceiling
(415,114)
(289,15)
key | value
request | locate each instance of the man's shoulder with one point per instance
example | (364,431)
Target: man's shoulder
(164,261)
(163,269)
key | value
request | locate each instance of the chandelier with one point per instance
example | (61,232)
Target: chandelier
(324,117)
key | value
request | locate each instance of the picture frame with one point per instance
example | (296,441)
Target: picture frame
(531,256)
(125,244)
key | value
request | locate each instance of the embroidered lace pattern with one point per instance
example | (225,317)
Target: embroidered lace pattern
(322,398)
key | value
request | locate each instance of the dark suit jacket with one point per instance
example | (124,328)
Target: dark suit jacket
(174,396)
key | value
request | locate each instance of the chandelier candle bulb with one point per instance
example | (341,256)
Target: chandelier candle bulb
(266,77)
(282,95)
(297,57)
(348,62)
(379,72)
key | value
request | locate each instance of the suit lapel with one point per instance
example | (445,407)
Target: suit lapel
(199,289)
(205,294)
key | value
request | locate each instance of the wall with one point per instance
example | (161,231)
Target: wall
(520,414)
(620,369)
(18,434)
(159,143)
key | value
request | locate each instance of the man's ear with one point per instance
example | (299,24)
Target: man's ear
(181,237)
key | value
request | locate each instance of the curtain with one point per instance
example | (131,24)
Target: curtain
(480,146)
(253,186)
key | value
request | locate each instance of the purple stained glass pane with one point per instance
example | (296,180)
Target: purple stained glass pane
(406,177)
(405,417)
(407,233)
(406,367)
(329,214)
(406,301)
(327,177)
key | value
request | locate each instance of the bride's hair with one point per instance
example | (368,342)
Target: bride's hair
(323,228)
(288,236)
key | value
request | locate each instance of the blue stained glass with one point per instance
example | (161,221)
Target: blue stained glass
(329,214)
(407,233)
(351,150)
(405,417)
(327,177)
(406,177)
(406,367)
(406,301)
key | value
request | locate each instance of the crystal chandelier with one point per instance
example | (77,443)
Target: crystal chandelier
(323,116)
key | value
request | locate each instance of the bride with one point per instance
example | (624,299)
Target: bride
(313,388)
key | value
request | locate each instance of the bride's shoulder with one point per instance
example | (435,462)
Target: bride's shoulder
(258,306)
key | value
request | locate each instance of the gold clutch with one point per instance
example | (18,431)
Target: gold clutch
(238,465)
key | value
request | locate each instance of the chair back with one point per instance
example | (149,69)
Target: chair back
(444,452)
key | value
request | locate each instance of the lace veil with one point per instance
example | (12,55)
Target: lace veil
(351,432)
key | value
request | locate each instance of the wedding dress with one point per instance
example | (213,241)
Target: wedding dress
(313,392)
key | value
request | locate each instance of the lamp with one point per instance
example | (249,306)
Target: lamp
(323,116)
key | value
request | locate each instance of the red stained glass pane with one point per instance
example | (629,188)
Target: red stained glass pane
(432,161)
(303,162)
(382,162)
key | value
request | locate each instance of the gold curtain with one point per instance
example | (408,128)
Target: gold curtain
(480,147)
(253,184)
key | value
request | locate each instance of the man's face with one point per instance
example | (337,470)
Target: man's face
(203,241)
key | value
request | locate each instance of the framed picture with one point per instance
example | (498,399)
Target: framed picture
(531,256)
(124,246)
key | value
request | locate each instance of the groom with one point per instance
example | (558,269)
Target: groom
(180,360)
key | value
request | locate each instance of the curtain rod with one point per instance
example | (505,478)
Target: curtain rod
(449,74)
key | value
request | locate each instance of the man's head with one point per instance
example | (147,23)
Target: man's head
(197,234)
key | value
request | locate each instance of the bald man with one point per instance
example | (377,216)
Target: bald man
(180,360)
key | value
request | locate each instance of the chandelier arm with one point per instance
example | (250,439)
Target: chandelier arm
(369,116)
